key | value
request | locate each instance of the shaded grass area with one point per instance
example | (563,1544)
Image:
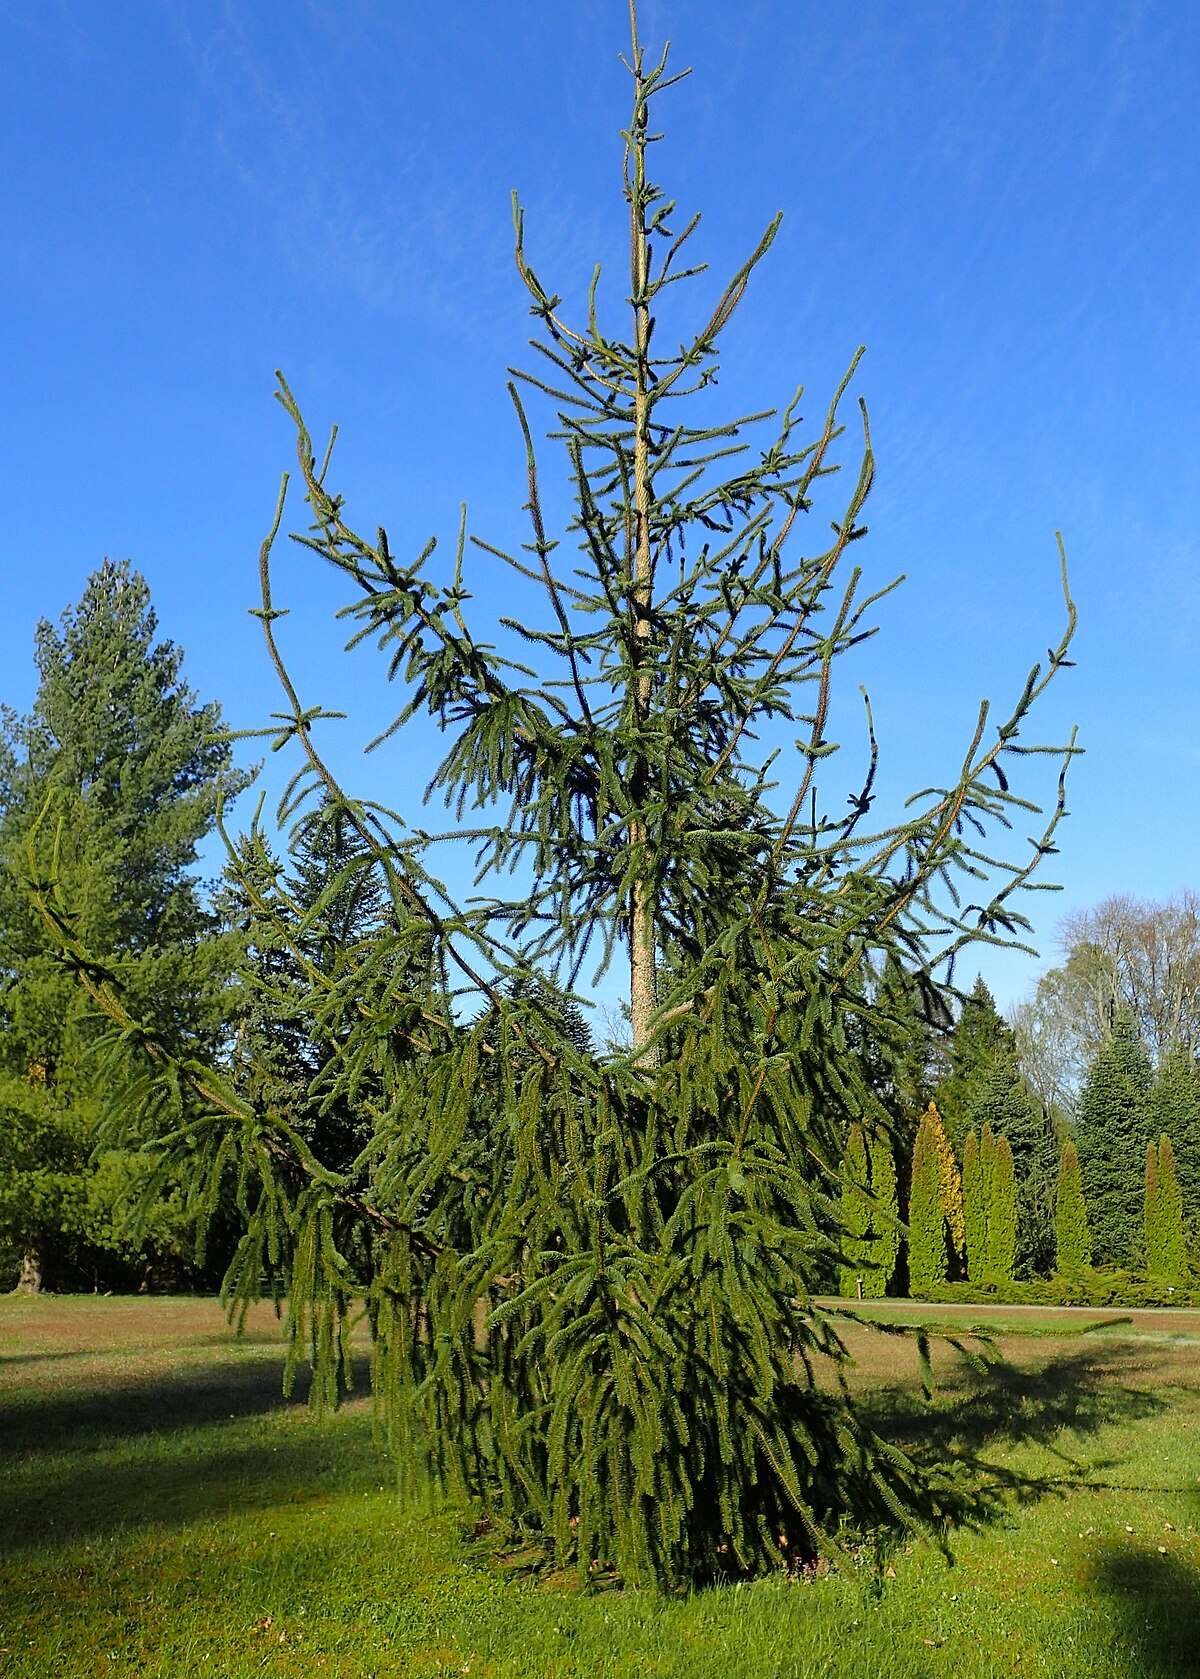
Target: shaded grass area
(166,1512)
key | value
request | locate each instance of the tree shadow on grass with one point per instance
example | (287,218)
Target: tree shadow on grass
(1155,1599)
(1056,1406)
(9,1359)
(86,1417)
(152,1453)
(1077,1392)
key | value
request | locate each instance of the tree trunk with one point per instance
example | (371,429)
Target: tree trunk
(31,1272)
(643,953)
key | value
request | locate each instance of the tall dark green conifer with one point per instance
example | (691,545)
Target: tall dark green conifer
(1175,1112)
(111,782)
(642,1235)
(979,1039)
(1112,1130)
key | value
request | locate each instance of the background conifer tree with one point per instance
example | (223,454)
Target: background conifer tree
(975,1194)
(1166,1248)
(980,1036)
(1005,1102)
(1001,1182)
(1073,1237)
(856,1215)
(1111,1134)
(950,1185)
(120,746)
(870,1215)
(640,1235)
(928,1253)
(886,1211)
(1174,1111)
(1152,1215)
(985,1085)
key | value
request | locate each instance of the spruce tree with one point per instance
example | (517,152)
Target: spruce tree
(641,1234)
(1073,1237)
(1112,1130)
(110,783)
(980,1037)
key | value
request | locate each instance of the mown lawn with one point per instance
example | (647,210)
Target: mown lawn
(164,1512)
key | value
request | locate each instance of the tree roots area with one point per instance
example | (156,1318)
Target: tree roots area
(167,1512)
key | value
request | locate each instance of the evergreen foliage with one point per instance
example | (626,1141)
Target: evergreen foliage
(1000,1177)
(1073,1237)
(119,749)
(979,1039)
(856,1214)
(1166,1246)
(975,1193)
(886,1213)
(1174,1111)
(949,1186)
(989,1207)
(928,1254)
(870,1215)
(1111,1134)
(985,1086)
(590,1281)
(1008,1106)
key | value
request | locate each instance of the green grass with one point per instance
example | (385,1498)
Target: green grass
(164,1512)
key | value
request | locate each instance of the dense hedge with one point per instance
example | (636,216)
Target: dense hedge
(1107,1288)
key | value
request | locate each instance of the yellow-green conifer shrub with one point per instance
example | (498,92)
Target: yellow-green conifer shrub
(856,1215)
(1073,1238)
(886,1216)
(927,1251)
(870,1216)
(975,1207)
(1002,1209)
(1166,1245)
(949,1183)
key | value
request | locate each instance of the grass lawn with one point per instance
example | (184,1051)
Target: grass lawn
(164,1512)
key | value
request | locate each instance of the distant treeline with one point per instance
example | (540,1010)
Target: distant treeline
(999,1152)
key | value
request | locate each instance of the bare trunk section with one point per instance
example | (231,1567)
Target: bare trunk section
(643,987)
(31,1272)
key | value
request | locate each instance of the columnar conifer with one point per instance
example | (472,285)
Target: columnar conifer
(949,1184)
(927,1245)
(1002,1209)
(1073,1239)
(871,1238)
(975,1192)
(1174,1111)
(886,1211)
(1166,1247)
(856,1214)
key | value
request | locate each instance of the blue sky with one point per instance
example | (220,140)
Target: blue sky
(999,200)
